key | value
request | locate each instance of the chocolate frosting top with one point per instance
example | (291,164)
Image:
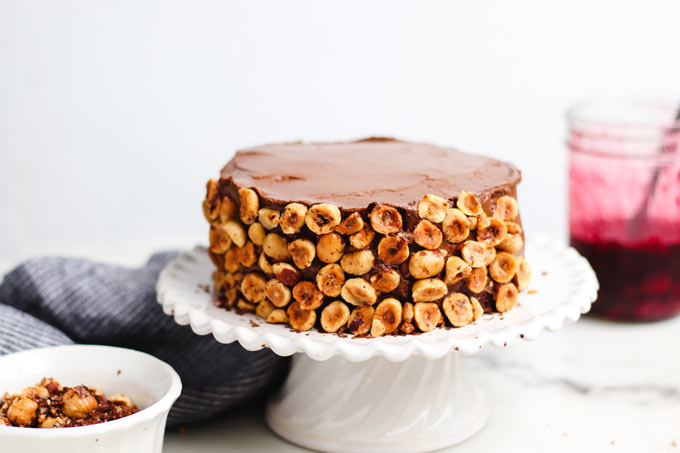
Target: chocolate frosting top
(352,175)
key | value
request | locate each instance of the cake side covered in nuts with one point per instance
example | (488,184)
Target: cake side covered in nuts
(374,237)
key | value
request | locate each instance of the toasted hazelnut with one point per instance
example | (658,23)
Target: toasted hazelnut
(490,256)
(256,233)
(393,250)
(286,273)
(330,247)
(216,258)
(323,218)
(269,218)
(477,309)
(264,309)
(353,223)
(334,316)
(506,297)
(387,315)
(358,291)
(227,209)
(358,263)
(277,293)
(23,411)
(276,247)
(218,279)
(407,312)
(426,263)
(36,392)
(300,319)
(250,205)
(513,228)
(503,268)
(456,270)
(231,260)
(278,316)
(456,226)
(506,208)
(244,305)
(482,221)
(363,238)
(303,252)
(493,234)
(264,264)
(477,280)
(219,239)
(407,328)
(211,204)
(428,289)
(468,203)
(427,235)
(236,232)
(512,243)
(293,218)
(330,279)
(473,222)
(432,208)
(426,315)
(308,295)
(120,399)
(253,287)
(246,255)
(523,275)
(474,253)
(231,295)
(385,280)
(385,219)
(78,402)
(458,309)
(360,320)
(51,422)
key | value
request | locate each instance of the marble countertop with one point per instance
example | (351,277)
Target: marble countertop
(592,386)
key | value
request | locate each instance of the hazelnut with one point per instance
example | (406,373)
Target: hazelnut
(360,320)
(303,252)
(330,247)
(353,223)
(468,203)
(277,293)
(477,280)
(457,309)
(493,234)
(236,232)
(426,263)
(227,209)
(512,243)
(307,295)
(23,411)
(490,256)
(250,205)
(246,255)
(385,280)
(482,221)
(506,297)
(256,233)
(264,309)
(393,250)
(473,222)
(432,208)
(323,218)
(278,316)
(428,289)
(276,247)
(286,273)
(523,275)
(264,264)
(269,218)
(253,287)
(407,328)
(385,219)
(456,226)
(330,279)
(513,228)
(363,238)
(474,253)
(358,263)
(219,239)
(477,309)
(503,268)
(506,208)
(211,204)
(231,260)
(120,399)
(427,235)
(426,315)
(358,291)
(36,392)
(293,218)
(456,270)
(244,305)
(51,422)
(78,402)
(387,317)
(334,316)
(299,318)
(407,312)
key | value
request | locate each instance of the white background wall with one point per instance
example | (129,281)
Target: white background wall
(113,114)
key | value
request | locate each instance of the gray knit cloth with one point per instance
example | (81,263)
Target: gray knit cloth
(51,301)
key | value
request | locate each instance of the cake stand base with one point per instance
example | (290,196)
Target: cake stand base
(416,405)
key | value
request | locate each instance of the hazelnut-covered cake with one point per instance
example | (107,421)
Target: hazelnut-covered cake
(372,237)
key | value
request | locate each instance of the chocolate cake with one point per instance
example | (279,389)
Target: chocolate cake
(371,237)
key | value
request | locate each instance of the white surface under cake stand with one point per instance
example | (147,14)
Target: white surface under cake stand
(394,393)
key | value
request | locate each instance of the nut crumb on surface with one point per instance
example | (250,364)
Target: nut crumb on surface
(533,291)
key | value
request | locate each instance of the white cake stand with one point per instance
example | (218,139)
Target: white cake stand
(388,394)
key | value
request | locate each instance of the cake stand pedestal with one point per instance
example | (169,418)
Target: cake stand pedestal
(393,393)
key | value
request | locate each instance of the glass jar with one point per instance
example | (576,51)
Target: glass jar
(624,204)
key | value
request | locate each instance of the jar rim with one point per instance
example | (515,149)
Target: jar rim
(638,113)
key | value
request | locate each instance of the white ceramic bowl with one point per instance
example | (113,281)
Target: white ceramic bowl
(152,384)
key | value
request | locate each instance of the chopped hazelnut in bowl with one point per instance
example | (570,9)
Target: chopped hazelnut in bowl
(123,406)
